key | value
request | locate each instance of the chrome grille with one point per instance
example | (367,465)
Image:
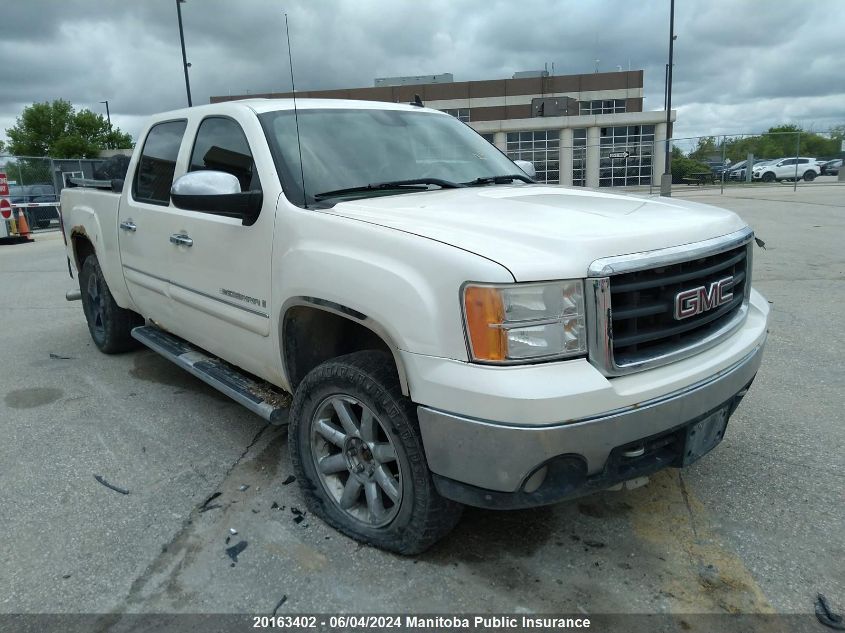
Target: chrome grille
(633,303)
(643,304)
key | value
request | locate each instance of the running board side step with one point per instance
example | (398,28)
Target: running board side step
(256,395)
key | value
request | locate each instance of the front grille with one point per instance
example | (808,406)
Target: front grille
(642,305)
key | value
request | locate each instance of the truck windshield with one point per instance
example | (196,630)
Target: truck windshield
(345,151)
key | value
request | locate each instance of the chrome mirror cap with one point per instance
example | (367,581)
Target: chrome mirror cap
(205,183)
(528,167)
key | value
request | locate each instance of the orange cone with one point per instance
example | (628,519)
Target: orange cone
(23,225)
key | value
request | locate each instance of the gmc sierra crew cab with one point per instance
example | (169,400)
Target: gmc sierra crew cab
(435,328)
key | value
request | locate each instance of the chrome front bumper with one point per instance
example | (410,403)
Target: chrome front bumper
(471,457)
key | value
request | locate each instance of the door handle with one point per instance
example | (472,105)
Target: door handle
(181,239)
(128,225)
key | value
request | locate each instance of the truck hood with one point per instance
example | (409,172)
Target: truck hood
(543,232)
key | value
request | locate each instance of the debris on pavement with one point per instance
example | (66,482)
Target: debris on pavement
(591,543)
(275,506)
(122,491)
(298,519)
(760,243)
(205,507)
(289,480)
(228,538)
(232,531)
(244,487)
(826,616)
(60,357)
(295,510)
(235,550)
(254,511)
(65,576)
(283,599)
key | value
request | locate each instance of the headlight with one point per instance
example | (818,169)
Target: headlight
(523,322)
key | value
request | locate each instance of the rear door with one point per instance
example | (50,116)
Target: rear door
(220,283)
(146,221)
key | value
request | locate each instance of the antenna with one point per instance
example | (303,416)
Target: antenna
(296,116)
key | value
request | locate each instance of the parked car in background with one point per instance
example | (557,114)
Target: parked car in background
(831,167)
(717,167)
(39,193)
(787,169)
(738,173)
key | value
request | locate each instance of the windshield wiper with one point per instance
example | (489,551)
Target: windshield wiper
(392,184)
(499,180)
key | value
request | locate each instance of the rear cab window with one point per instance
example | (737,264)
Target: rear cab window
(157,164)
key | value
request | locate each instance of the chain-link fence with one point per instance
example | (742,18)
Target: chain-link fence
(35,183)
(777,158)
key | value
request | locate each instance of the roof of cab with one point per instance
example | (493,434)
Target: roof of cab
(260,106)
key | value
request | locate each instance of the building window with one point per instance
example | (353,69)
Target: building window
(606,106)
(579,157)
(490,138)
(633,170)
(462,114)
(541,147)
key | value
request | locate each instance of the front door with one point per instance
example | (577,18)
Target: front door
(220,276)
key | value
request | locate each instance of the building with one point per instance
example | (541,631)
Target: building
(583,130)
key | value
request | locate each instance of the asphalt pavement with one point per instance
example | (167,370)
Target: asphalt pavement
(754,527)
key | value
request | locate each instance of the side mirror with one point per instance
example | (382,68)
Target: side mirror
(218,193)
(528,167)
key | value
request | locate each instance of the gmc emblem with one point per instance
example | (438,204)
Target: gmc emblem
(697,300)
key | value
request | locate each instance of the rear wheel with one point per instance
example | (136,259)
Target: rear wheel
(357,450)
(109,324)
(809,175)
(768,177)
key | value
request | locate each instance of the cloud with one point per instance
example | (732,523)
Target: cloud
(738,67)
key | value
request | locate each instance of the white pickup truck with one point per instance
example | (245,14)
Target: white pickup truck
(452,333)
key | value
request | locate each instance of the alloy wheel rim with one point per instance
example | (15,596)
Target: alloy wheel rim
(356,461)
(96,306)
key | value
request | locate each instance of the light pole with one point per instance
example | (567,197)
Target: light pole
(108,118)
(185,63)
(666,180)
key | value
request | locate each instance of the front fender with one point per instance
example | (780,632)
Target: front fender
(406,284)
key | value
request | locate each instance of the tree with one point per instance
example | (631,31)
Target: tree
(56,129)
(707,149)
(683,166)
(783,140)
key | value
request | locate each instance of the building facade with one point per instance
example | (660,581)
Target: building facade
(582,130)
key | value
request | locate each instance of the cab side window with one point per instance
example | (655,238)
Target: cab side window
(154,175)
(221,146)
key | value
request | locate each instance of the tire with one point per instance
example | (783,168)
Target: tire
(768,177)
(809,175)
(368,458)
(109,324)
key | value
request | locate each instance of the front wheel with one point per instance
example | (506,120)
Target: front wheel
(109,324)
(356,448)
(768,177)
(809,175)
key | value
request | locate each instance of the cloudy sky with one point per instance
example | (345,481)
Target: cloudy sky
(740,65)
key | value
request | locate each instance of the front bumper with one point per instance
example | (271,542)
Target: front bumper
(502,466)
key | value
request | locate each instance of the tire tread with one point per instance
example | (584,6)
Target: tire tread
(373,371)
